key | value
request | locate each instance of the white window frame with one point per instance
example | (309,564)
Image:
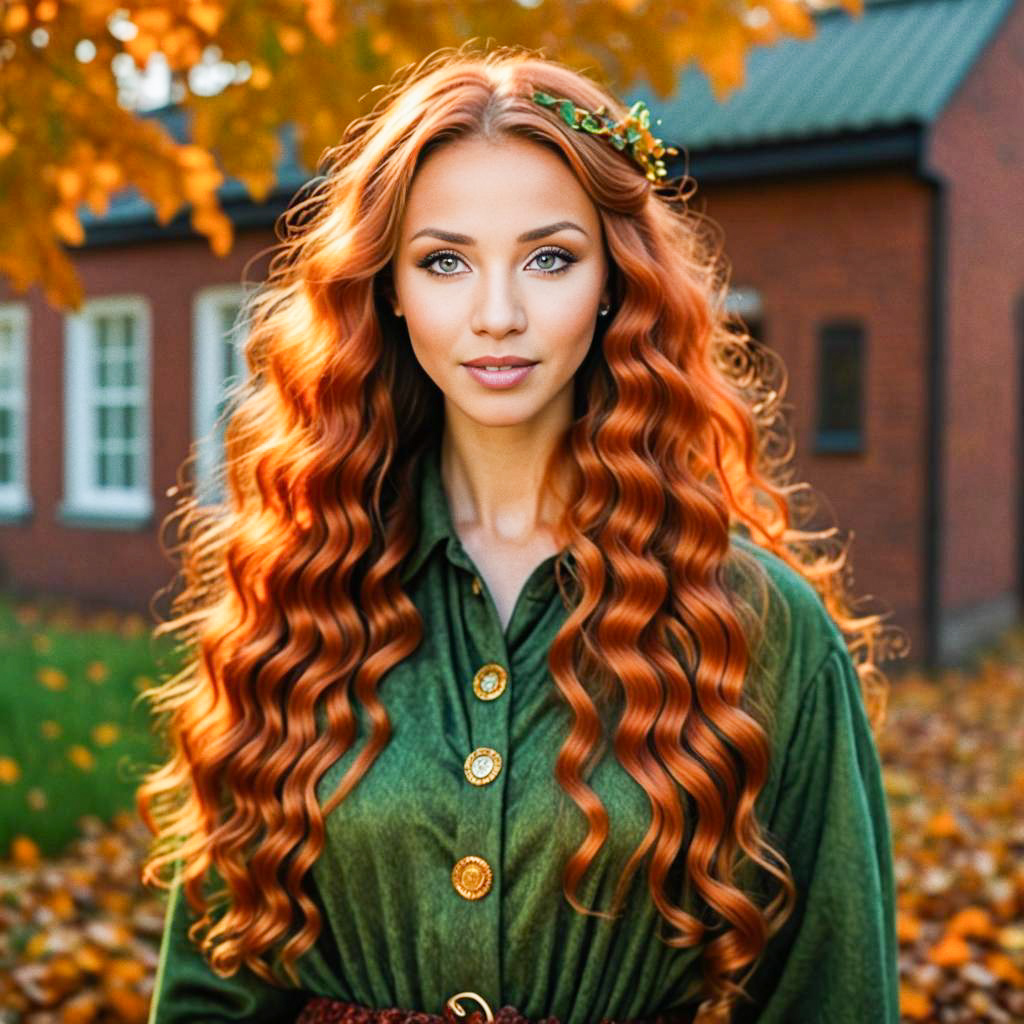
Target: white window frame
(83,498)
(207,382)
(14,498)
(745,301)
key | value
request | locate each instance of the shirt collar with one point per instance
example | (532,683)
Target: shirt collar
(435,516)
(435,519)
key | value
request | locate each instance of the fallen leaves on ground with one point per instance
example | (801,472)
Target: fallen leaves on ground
(953,758)
(80,937)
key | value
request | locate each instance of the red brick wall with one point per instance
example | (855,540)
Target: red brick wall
(120,567)
(849,245)
(979,146)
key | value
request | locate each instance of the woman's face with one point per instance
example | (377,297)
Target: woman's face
(500,254)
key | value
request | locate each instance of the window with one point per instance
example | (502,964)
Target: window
(745,303)
(840,387)
(107,442)
(14,498)
(218,365)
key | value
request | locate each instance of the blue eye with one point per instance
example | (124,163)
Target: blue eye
(446,254)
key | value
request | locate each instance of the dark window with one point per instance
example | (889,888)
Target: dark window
(840,420)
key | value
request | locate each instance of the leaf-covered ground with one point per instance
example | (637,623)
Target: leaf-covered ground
(953,756)
(79,939)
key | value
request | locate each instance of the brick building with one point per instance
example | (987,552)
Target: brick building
(867,184)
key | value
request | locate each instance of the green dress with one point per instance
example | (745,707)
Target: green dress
(438,813)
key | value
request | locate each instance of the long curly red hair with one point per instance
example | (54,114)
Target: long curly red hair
(291,600)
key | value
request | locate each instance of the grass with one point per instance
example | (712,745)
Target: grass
(76,737)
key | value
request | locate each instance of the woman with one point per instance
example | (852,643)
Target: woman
(496,672)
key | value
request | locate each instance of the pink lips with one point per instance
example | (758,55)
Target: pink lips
(508,377)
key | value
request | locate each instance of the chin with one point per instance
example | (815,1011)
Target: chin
(498,410)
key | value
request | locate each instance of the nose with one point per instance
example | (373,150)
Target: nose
(498,309)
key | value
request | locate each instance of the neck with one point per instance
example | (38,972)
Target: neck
(494,480)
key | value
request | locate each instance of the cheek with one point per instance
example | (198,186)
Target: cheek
(570,328)
(430,310)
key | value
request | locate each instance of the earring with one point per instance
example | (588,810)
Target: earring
(605,309)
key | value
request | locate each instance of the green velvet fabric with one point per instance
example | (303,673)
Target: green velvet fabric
(397,933)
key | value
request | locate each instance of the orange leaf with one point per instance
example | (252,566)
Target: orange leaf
(61,903)
(908,927)
(125,970)
(15,19)
(914,1004)
(206,16)
(90,959)
(792,18)
(1005,969)
(153,18)
(128,1005)
(950,951)
(943,825)
(10,771)
(972,922)
(81,757)
(105,733)
(24,851)
(52,678)
(82,1008)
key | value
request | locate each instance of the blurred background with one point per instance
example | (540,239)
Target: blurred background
(863,163)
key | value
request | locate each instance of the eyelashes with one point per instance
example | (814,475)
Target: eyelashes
(431,258)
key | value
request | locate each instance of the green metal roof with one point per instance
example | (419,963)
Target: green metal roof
(894,67)
(898,63)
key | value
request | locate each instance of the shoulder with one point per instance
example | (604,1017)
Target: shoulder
(799,636)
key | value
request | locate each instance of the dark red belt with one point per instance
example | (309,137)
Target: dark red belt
(321,1010)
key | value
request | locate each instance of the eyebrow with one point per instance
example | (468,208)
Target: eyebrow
(526,236)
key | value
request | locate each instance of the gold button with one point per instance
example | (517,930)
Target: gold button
(476,585)
(490,681)
(471,877)
(482,766)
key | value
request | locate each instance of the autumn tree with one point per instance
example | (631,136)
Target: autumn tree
(68,139)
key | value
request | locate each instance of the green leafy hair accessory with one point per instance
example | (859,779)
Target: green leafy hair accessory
(632,134)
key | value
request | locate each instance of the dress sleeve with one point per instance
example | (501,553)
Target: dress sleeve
(187,991)
(835,959)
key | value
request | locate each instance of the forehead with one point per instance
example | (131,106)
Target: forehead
(514,181)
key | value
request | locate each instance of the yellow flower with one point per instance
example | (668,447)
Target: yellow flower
(96,672)
(52,678)
(105,733)
(41,642)
(143,683)
(81,757)
(36,799)
(24,851)
(9,770)
(50,729)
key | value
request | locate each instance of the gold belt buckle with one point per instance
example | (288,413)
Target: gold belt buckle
(460,1012)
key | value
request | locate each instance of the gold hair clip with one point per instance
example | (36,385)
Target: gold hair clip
(632,133)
